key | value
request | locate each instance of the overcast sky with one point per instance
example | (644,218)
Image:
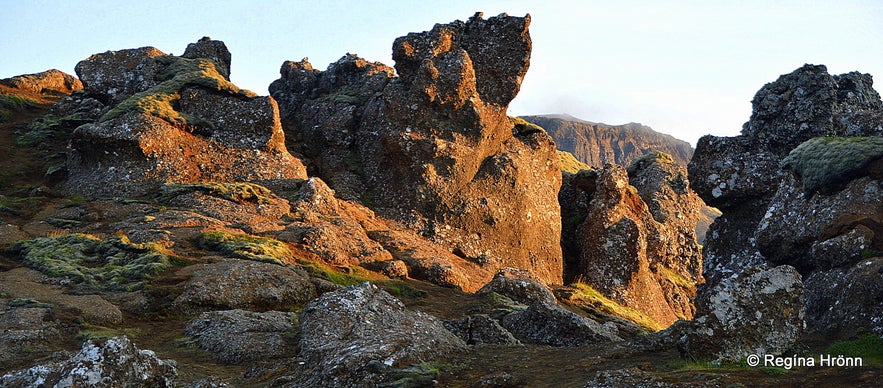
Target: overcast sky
(686,68)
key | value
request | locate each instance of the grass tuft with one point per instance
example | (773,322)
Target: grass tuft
(588,297)
(246,246)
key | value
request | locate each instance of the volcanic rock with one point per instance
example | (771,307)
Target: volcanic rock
(345,330)
(113,362)
(550,324)
(801,186)
(173,120)
(760,312)
(239,336)
(434,148)
(47,81)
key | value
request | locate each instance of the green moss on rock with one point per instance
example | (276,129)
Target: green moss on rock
(648,159)
(115,264)
(523,127)
(246,246)
(178,74)
(824,162)
(237,192)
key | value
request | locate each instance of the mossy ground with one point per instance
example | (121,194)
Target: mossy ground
(344,276)
(523,127)
(868,346)
(588,297)
(115,264)
(824,162)
(246,246)
(179,73)
(237,192)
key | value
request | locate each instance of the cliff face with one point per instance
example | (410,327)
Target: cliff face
(597,144)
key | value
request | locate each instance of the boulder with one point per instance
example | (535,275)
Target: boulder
(214,50)
(844,300)
(109,363)
(551,324)
(520,286)
(244,284)
(434,148)
(480,329)
(239,336)
(344,331)
(47,81)
(28,330)
(760,312)
(173,120)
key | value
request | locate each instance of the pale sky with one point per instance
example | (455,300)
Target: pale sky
(686,68)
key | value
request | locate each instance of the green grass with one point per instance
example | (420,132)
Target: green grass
(523,127)
(588,297)
(868,346)
(93,264)
(179,73)
(246,246)
(88,332)
(569,163)
(676,278)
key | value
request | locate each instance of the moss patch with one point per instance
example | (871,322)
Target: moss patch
(344,276)
(869,347)
(114,264)
(824,162)
(246,246)
(237,192)
(10,104)
(523,127)
(178,74)
(648,159)
(569,163)
(588,297)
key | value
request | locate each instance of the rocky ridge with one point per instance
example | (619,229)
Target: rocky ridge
(206,272)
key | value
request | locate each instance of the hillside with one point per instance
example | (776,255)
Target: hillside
(597,144)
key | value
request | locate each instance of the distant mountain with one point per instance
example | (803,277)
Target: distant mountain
(596,144)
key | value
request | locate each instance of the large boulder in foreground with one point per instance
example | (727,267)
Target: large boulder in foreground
(114,362)
(173,120)
(433,148)
(351,335)
(761,312)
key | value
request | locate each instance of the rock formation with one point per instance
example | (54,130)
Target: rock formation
(631,235)
(433,147)
(166,119)
(801,187)
(52,81)
(598,144)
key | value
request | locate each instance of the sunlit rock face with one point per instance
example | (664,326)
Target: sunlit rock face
(433,147)
(159,119)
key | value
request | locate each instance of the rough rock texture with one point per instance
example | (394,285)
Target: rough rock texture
(239,336)
(519,285)
(434,148)
(801,186)
(214,50)
(760,312)
(47,81)
(29,330)
(25,283)
(345,330)
(551,324)
(597,144)
(232,284)
(633,239)
(638,378)
(481,329)
(173,120)
(115,362)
